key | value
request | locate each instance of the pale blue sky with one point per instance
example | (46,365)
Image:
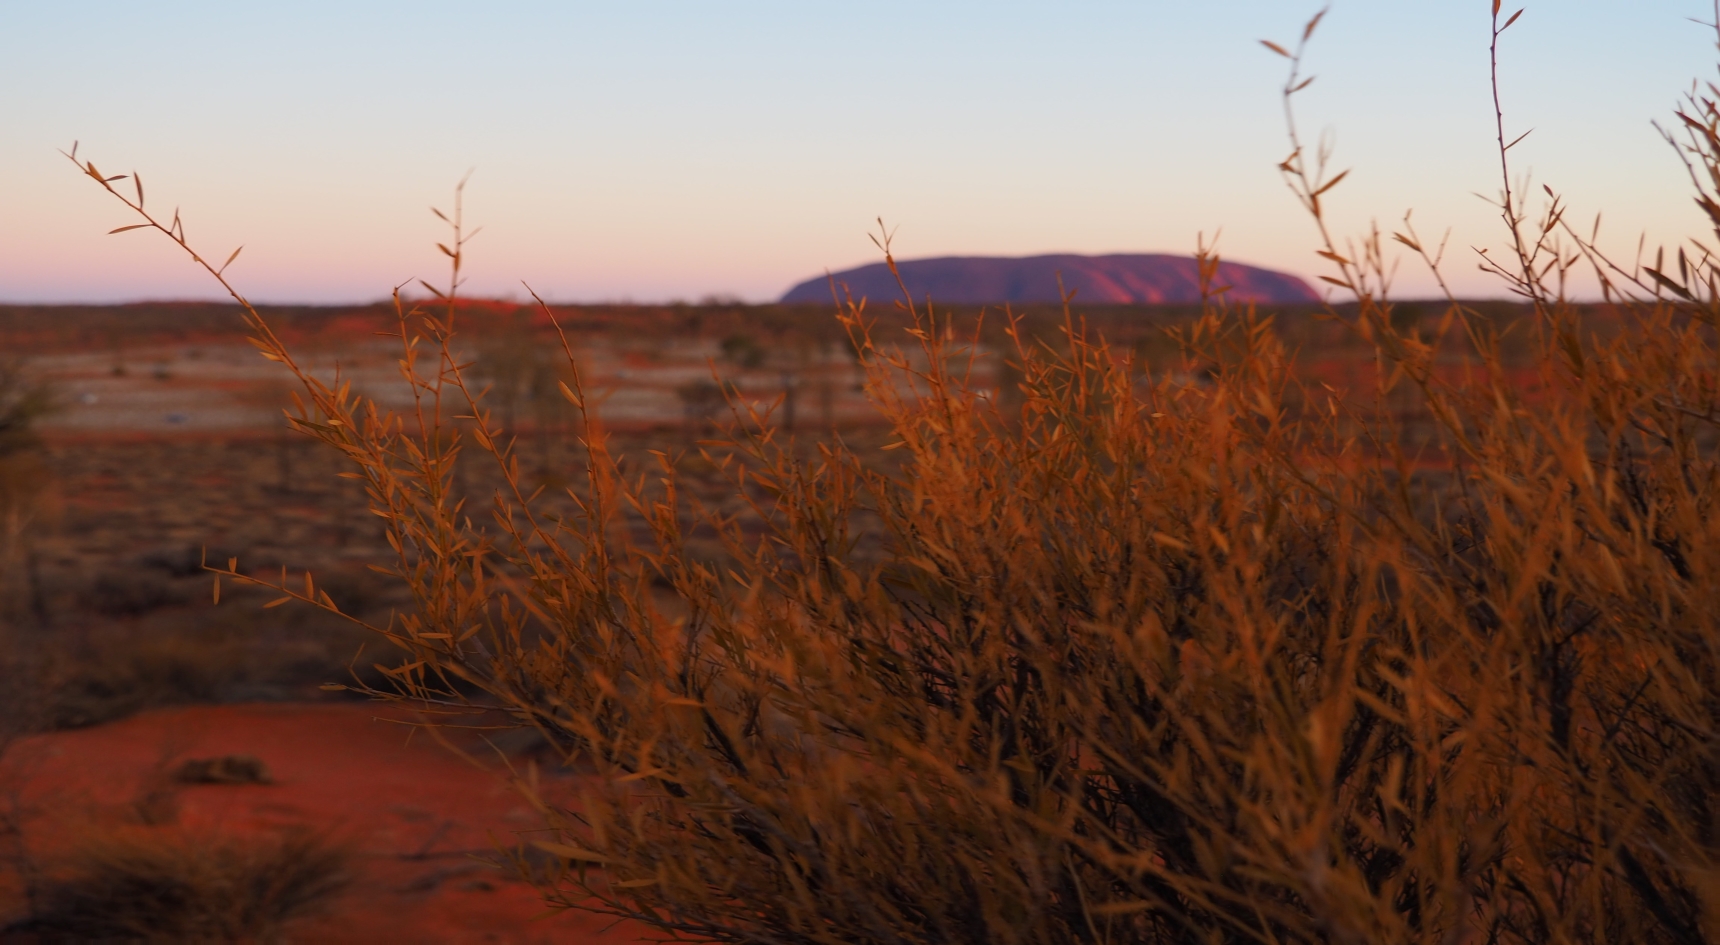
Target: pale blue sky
(654,150)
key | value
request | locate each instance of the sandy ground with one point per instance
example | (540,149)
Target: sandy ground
(421,818)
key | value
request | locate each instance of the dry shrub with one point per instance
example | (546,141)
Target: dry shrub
(93,674)
(153,885)
(1202,653)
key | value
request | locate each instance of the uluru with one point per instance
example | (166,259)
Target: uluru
(1121,278)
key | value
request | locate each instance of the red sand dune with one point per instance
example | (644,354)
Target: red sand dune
(416,811)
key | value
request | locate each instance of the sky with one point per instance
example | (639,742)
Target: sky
(660,150)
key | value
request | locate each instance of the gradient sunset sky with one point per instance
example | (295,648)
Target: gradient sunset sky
(651,151)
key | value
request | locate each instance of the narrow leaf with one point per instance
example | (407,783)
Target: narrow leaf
(1280,50)
(1513,19)
(134,226)
(1331,183)
(229,261)
(1308,31)
(1670,285)
(570,852)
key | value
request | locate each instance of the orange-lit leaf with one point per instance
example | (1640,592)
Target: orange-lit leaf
(1308,31)
(1331,183)
(567,852)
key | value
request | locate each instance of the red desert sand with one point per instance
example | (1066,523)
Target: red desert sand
(419,816)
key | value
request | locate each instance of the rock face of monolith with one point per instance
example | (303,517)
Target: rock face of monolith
(1123,278)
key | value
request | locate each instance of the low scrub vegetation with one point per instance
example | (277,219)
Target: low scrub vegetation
(1206,652)
(151,885)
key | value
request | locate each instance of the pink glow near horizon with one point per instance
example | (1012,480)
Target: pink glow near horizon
(660,150)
